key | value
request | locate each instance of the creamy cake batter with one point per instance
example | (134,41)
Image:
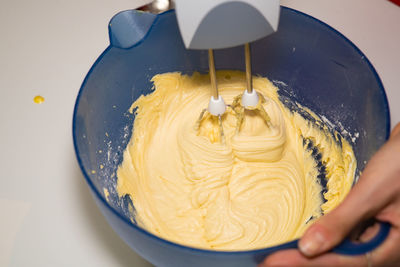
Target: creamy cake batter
(258,189)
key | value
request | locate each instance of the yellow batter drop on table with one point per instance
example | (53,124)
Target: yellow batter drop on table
(257,190)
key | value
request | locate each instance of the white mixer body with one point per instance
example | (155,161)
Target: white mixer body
(214,24)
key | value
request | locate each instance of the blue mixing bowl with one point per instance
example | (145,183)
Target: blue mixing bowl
(310,62)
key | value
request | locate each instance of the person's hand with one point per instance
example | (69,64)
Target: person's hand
(377,194)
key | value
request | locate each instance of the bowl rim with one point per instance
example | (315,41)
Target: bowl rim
(186,247)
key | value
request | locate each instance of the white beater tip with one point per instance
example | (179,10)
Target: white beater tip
(216,106)
(249,99)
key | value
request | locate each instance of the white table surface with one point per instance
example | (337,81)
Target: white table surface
(47,216)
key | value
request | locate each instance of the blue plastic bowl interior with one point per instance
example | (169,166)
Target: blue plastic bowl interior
(310,62)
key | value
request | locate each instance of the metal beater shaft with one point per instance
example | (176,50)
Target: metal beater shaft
(213,76)
(249,80)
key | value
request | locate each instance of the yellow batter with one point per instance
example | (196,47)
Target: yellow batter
(256,190)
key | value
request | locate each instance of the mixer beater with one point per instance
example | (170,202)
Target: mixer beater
(249,100)
(216,105)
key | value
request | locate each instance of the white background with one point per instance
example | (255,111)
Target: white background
(47,216)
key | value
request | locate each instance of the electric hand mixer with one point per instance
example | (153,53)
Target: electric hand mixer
(215,24)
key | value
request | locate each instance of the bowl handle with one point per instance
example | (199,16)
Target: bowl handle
(129,27)
(348,247)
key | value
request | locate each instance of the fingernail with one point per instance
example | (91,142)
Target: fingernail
(312,244)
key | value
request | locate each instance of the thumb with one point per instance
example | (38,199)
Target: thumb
(333,227)
(329,231)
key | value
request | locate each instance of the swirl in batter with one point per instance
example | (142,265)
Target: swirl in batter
(258,189)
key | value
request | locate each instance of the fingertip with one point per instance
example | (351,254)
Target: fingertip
(314,241)
(330,229)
